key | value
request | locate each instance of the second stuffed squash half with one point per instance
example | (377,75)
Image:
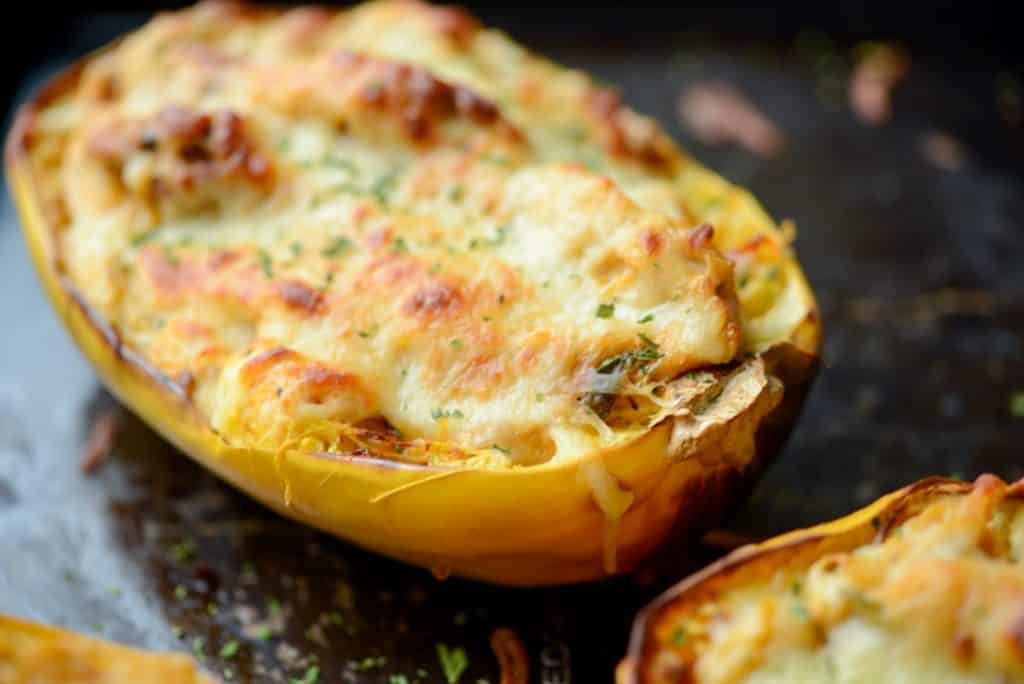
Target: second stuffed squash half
(924,585)
(401,279)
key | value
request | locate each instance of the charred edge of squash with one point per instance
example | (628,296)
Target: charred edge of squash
(882,515)
(804,342)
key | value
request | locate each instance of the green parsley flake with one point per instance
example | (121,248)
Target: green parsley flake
(453,662)
(311,676)
(439,413)
(266,264)
(457,343)
(1017,404)
(230,649)
(143,238)
(647,340)
(605,310)
(506,451)
(398,679)
(400,245)
(383,186)
(336,247)
(180,592)
(646,319)
(679,636)
(370,663)
(369,332)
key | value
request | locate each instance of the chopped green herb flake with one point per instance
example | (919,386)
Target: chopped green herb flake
(453,662)
(197,647)
(435,268)
(399,245)
(646,319)
(177,631)
(455,193)
(647,340)
(143,238)
(438,413)
(679,636)
(1017,404)
(506,451)
(180,592)
(383,186)
(311,676)
(266,264)
(605,310)
(398,679)
(336,247)
(262,633)
(370,663)
(457,343)
(230,649)
(369,332)
(273,606)
(796,588)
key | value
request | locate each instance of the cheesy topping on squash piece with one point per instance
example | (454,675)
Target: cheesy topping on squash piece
(937,596)
(390,229)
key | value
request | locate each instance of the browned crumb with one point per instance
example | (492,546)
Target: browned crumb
(879,69)
(511,654)
(101,441)
(943,151)
(717,113)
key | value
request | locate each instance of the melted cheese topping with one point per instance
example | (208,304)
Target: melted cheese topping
(387,228)
(939,599)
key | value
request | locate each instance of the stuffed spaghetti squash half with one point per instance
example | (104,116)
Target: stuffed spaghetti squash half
(405,281)
(924,585)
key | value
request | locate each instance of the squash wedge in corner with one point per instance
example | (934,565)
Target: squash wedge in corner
(402,280)
(924,585)
(30,652)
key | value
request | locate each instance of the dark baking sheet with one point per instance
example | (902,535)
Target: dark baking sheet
(922,293)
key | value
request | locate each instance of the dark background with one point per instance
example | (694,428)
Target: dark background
(919,276)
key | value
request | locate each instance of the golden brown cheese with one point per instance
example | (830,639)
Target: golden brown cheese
(35,654)
(316,221)
(936,596)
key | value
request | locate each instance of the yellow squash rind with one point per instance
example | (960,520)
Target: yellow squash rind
(31,652)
